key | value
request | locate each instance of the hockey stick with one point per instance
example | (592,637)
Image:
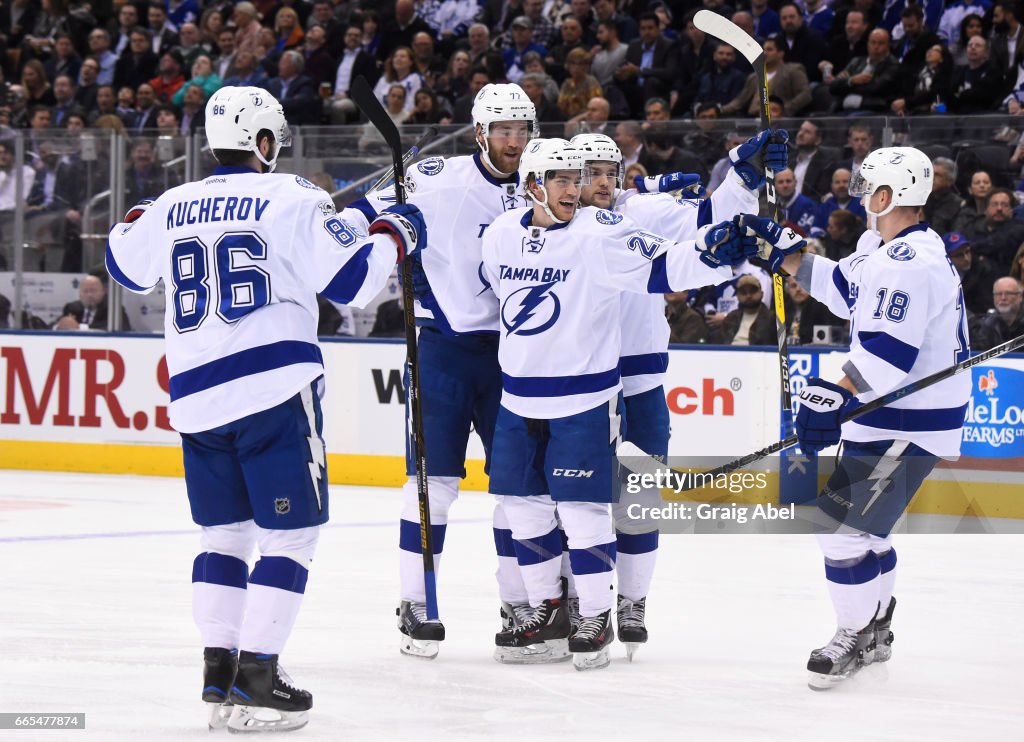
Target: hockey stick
(635,459)
(722,28)
(414,150)
(363,96)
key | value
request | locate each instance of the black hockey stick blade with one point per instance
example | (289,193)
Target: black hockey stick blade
(426,138)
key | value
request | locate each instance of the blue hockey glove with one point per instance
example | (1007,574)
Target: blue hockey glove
(725,244)
(404,224)
(136,212)
(775,241)
(823,405)
(766,149)
(688,183)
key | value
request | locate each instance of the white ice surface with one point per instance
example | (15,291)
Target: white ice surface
(95,617)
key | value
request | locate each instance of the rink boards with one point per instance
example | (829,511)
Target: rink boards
(94,402)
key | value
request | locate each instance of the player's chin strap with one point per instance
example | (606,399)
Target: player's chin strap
(485,153)
(874,217)
(544,205)
(271,164)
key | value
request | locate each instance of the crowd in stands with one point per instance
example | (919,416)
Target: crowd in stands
(147,68)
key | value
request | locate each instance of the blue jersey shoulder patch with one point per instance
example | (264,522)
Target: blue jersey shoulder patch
(608,217)
(307,184)
(901,251)
(431,166)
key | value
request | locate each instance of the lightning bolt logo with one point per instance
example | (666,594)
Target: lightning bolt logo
(317,454)
(881,478)
(529,301)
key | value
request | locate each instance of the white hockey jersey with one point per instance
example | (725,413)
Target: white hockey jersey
(459,199)
(645,331)
(559,294)
(242,257)
(906,309)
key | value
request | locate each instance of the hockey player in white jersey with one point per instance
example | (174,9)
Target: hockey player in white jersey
(558,274)
(458,343)
(645,331)
(242,255)
(907,320)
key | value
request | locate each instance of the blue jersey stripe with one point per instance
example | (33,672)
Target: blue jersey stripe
(841,284)
(658,281)
(119,275)
(347,282)
(646,363)
(915,421)
(362,205)
(559,386)
(243,363)
(890,349)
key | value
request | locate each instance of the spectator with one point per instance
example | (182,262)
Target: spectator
(479,39)
(247,36)
(912,49)
(85,92)
(248,72)
(580,86)
(125,109)
(838,197)
(145,105)
(1008,42)
(203,77)
(353,63)
(571,38)
(686,325)
(651,67)
(372,35)
(932,87)
(165,33)
(751,323)
(954,15)
(522,43)
(860,142)
(544,32)
(787,81)
(121,31)
(609,55)
(137,64)
(723,82)
(297,93)
(997,238)
(371,139)
(462,112)
(193,109)
(533,85)
(804,313)
(191,45)
(90,310)
(973,212)
(971,26)
(8,203)
(723,165)
(797,208)
(744,20)
(169,78)
(399,32)
(841,234)
(944,203)
(1017,269)
(977,87)
(594,119)
(868,83)
(766,20)
(453,19)
(168,120)
(399,70)
(38,91)
(428,65)
(288,32)
(812,163)
(56,189)
(1004,322)
(64,60)
(628,135)
(819,17)
(211,23)
(455,81)
(533,64)
(604,10)
(225,64)
(694,58)
(802,45)
(854,44)
(390,320)
(976,276)
(64,99)
(663,156)
(320,66)
(426,109)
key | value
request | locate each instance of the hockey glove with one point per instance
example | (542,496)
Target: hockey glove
(136,212)
(688,183)
(404,224)
(725,244)
(775,241)
(819,419)
(766,150)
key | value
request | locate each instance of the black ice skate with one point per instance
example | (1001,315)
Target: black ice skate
(420,636)
(590,643)
(509,647)
(265,698)
(632,630)
(883,634)
(573,604)
(219,666)
(847,652)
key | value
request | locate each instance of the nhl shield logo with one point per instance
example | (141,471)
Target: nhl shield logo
(282,505)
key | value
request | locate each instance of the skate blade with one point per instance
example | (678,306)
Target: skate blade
(592,660)
(631,648)
(218,715)
(820,681)
(255,719)
(883,654)
(549,652)
(419,648)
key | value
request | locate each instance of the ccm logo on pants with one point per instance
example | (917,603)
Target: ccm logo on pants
(576,473)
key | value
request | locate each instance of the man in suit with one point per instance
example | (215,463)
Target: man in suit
(804,46)
(855,43)
(296,91)
(812,164)
(165,35)
(400,29)
(145,104)
(1008,42)
(651,66)
(354,62)
(90,311)
(788,83)
(868,83)
(137,64)
(910,50)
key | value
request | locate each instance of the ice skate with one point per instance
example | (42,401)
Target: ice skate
(573,605)
(544,652)
(883,634)
(218,676)
(632,629)
(590,644)
(420,637)
(265,699)
(847,652)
